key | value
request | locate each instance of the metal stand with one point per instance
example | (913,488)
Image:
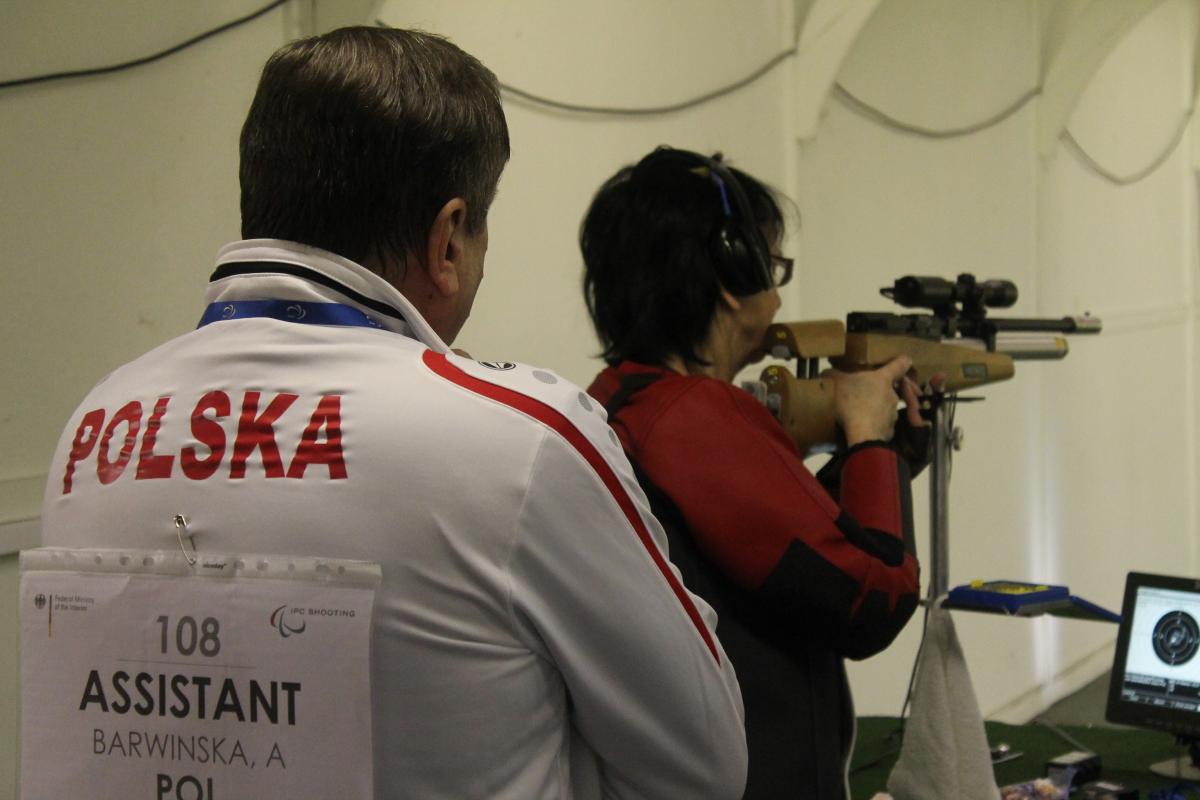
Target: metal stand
(946,438)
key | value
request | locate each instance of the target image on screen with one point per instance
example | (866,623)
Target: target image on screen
(1160,669)
(1176,638)
(1156,667)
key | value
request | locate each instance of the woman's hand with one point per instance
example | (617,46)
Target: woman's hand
(865,402)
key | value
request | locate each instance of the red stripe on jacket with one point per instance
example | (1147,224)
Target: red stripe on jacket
(558,422)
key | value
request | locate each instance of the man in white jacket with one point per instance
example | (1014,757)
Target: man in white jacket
(526,597)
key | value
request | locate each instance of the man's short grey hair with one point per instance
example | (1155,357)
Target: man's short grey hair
(357,138)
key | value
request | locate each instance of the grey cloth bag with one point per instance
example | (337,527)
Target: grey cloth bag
(945,754)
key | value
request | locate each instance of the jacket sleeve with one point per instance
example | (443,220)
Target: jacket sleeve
(650,689)
(841,568)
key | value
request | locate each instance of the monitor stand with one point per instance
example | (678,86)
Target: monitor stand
(1185,767)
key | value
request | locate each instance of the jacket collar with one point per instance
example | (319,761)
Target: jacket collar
(273,269)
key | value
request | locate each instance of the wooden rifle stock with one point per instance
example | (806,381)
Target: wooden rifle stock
(957,340)
(804,402)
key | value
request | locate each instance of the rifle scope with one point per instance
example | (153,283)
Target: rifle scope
(943,297)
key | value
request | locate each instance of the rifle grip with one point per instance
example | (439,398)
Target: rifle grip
(805,408)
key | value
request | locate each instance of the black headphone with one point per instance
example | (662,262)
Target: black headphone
(740,251)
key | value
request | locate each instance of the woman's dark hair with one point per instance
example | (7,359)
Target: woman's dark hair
(650,274)
(357,138)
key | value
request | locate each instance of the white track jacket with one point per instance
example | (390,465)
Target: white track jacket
(526,590)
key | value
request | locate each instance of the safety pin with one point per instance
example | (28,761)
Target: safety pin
(180,529)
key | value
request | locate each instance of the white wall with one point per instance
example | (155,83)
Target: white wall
(1121,449)
(117,191)
(1074,472)
(621,53)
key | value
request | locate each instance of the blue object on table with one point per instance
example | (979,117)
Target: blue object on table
(1021,599)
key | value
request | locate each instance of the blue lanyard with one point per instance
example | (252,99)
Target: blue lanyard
(298,311)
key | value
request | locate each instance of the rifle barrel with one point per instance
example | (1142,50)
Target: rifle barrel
(1084,324)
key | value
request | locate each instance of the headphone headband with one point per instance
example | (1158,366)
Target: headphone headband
(740,251)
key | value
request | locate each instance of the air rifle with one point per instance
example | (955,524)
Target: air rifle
(956,339)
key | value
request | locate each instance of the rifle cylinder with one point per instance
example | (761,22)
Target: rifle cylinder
(1021,346)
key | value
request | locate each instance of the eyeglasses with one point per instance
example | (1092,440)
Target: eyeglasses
(781,269)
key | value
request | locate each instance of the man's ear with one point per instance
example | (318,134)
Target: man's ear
(443,252)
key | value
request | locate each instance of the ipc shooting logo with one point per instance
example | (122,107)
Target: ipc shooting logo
(279,622)
(39,601)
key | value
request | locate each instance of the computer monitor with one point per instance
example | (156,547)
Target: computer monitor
(1156,669)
